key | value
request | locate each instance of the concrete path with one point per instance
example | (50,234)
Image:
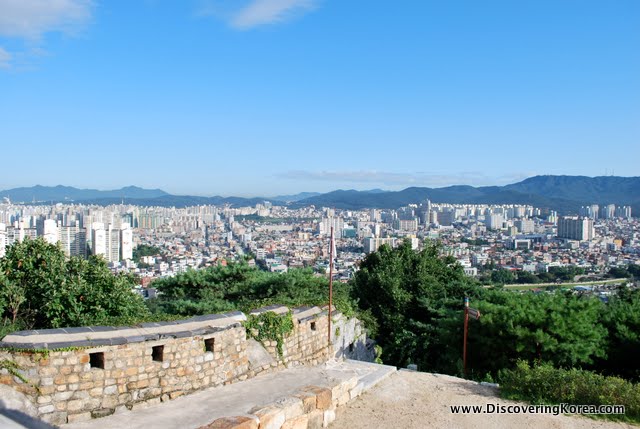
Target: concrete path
(198,409)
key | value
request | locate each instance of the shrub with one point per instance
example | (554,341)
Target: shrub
(544,384)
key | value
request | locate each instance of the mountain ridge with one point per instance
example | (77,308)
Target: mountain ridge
(563,193)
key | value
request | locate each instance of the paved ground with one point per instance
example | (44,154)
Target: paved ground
(195,410)
(411,400)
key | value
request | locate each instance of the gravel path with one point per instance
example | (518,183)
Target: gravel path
(421,400)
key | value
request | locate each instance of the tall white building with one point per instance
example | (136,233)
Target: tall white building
(324,227)
(608,211)
(99,240)
(575,228)
(50,232)
(623,211)
(493,221)
(372,244)
(525,226)
(3,239)
(73,240)
(113,243)
(126,243)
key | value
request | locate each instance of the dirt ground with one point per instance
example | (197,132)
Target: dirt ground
(421,400)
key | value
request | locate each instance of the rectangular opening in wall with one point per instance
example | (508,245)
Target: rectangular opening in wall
(313,326)
(96,360)
(157,353)
(351,348)
(208,344)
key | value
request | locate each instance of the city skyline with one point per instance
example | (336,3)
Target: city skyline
(271,97)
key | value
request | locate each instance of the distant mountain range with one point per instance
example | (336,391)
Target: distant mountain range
(306,195)
(562,193)
(67,193)
(129,195)
(296,197)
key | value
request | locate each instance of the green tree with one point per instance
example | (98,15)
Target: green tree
(525,277)
(502,276)
(622,321)
(407,292)
(145,250)
(617,273)
(238,286)
(41,288)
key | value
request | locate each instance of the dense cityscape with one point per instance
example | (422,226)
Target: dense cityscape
(518,238)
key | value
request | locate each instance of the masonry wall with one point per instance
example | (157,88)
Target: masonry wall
(144,366)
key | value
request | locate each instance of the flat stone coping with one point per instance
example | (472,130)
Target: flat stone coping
(300,314)
(96,336)
(239,399)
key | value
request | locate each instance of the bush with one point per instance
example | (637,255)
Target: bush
(544,384)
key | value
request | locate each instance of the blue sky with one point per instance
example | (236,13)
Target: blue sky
(267,97)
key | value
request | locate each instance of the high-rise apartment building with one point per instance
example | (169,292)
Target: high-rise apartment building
(575,228)
(525,226)
(99,240)
(126,243)
(3,239)
(73,240)
(494,221)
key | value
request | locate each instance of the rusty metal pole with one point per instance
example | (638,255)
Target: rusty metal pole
(466,328)
(331,255)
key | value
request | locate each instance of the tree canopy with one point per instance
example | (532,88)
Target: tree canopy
(40,288)
(238,286)
(416,299)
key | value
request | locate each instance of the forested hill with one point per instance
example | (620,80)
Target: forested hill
(562,193)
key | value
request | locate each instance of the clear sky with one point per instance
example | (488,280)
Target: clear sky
(267,97)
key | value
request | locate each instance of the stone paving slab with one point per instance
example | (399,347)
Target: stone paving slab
(238,399)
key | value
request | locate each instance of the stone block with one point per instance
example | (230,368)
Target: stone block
(57,418)
(329,417)
(316,419)
(292,407)
(270,417)
(102,412)
(46,409)
(109,402)
(308,401)
(81,417)
(300,422)
(46,390)
(43,399)
(96,391)
(75,405)
(177,393)
(323,396)
(49,371)
(62,396)
(236,422)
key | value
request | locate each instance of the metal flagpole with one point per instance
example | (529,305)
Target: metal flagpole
(466,325)
(331,255)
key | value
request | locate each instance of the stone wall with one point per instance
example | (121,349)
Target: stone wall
(82,373)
